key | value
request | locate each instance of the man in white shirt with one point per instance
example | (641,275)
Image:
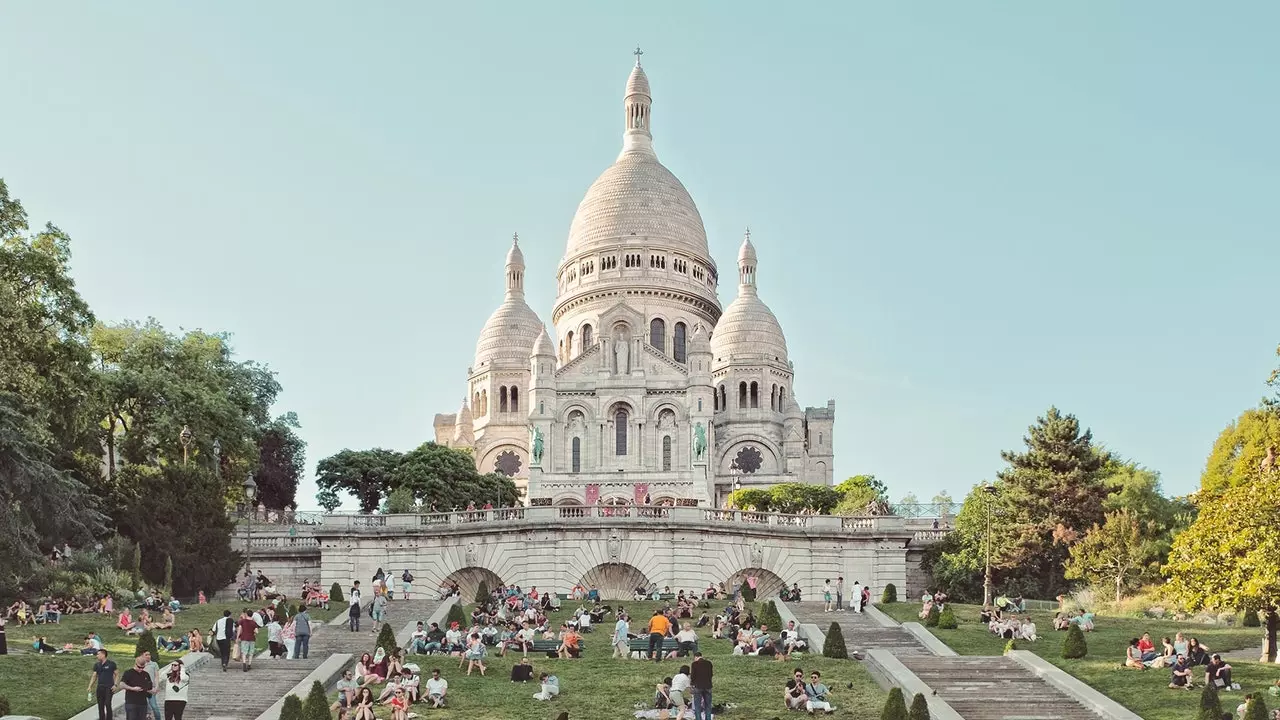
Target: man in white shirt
(224,632)
(855,598)
(680,690)
(437,688)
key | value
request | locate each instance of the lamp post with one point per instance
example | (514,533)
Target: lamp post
(217,458)
(250,490)
(990,491)
(184,437)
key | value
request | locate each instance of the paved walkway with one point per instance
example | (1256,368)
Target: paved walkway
(861,632)
(237,695)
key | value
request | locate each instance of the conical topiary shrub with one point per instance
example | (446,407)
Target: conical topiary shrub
(895,708)
(834,646)
(947,619)
(482,592)
(292,708)
(317,705)
(919,708)
(386,639)
(890,594)
(1210,705)
(1074,647)
(456,616)
(335,593)
(1256,709)
(147,643)
(931,620)
(769,616)
(1011,645)
(748,593)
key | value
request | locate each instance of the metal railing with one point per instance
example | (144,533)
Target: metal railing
(927,510)
(262,514)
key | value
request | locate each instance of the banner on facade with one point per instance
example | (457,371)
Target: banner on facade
(593,494)
(642,493)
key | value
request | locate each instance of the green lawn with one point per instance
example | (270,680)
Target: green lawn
(1144,692)
(52,686)
(596,687)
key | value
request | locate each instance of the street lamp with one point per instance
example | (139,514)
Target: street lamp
(184,437)
(217,458)
(250,490)
(990,491)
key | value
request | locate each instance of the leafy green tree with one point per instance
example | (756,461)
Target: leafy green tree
(1210,704)
(328,499)
(857,492)
(1074,646)
(180,513)
(833,646)
(456,615)
(795,498)
(282,457)
(1230,556)
(895,707)
(942,498)
(168,573)
(909,499)
(316,706)
(292,708)
(1240,450)
(919,708)
(751,499)
(482,592)
(366,474)
(1114,553)
(401,501)
(446,478)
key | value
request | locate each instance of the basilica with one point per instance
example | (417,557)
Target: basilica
(648,391)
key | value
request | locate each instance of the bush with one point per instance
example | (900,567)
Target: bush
(1256,709)
(482,592)
(919,708)
(292,709)
(317,705)
(748,593)
(1075,647)
(1251,619)
(4,706)
(895,708)
(890,594)
(834,646)
(931,620)
(386,639)
(947,619)
(147,643)
(1011,645)
(456,615)
(335,593)
(769,616)
(1210,705)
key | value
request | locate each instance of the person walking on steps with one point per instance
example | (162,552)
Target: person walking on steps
(248,637)
(406,582)
(224,632)
(839,594)
(353,610)
(102,684)
(301,633)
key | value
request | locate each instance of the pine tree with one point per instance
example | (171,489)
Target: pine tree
(769,616)
(834,646)
(456,615)
(317,705)
(386,639)
(931,620)
(1256,709)
(890,594)
(482,592)
(1210,705)
(748,593)
(947,619)
(895,708)
(919,708)
(335,593)
(292,709)
(1074,646)
(147,643)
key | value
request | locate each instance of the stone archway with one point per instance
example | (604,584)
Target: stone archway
(469,579)
(616,581)
(767,582)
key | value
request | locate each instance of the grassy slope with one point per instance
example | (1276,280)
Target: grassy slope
(52,686)
(596,687)
(1144,692)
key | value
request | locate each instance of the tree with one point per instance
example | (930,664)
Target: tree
(769,616)
(1230,556)
(316,706)
(1240,450)
(942,498)
(482,592)
(386,639)
(797,498)
(1074,646)
(752,499)
(328,499)
(168,573)
(895,707)
(292,708)
(281,462)
(146,643)
(1210,704)
(446,478)
(833,646)
(456,615)
(180,512)
(335,593)
(1136,490)
(890,594)
(401,501)
(366,474)
(909,499)
(1113,553)
(919,708)
(857,492)
(947,619)
(934,617)
(1256,708)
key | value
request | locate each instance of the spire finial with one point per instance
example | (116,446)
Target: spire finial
(638,53)
(748,237)
(515,238)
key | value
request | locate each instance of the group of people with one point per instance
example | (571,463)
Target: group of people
(833,596)
(812,696)
(1007,624)
(288,636)
(142,684)
(403,687)
(1184,656)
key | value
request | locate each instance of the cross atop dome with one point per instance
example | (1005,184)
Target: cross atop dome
(638,53)
(515,238)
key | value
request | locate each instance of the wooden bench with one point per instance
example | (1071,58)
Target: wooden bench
(545,646)
(641,645)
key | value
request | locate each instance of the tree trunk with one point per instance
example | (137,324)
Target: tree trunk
(1119,578)
(1269,645)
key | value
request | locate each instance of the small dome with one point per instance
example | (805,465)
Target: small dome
(463,418)
(508,336)
(543,345)
(747,253)
(514,255)
(638,83)
(748,329)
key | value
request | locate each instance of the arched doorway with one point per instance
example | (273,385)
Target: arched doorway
(616,581)
(767,582)
(469,579)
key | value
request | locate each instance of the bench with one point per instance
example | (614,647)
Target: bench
(546,646)
(669,645)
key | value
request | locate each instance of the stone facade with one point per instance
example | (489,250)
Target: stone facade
(651,390)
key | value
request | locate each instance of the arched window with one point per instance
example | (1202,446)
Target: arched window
(577,454)
(515,398)
(819,439)
(484,402)
(742,396)
(755,395)
(724,401)
(666,452)
(587,340)
(773,397)
(620,432)
(782,398)
(658,334)
(502,399)
(677,343)
(568,346)
(475,404)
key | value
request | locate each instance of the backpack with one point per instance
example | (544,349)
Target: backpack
(407,576)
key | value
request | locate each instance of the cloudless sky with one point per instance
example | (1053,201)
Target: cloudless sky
(965,212)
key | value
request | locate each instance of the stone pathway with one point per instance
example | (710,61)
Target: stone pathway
(237,695)
(861,632)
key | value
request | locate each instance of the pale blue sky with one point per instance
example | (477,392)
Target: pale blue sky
(965,212)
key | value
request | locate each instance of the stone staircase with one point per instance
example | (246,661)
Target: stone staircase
(861,632)
(993,688)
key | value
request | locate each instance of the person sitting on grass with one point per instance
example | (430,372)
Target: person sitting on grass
(1084,620)
(409,682)
(1027,631)
(1218,673)
(473,657)
(570,643)
(124,621)
(1181,679)
(365,674)
(362,709)
(1197,654)
(347,687)
(437,689)
(819,695)
(522,671)
(793,695)
(388,692)
(399,705)
(1133,656)
(550,687)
